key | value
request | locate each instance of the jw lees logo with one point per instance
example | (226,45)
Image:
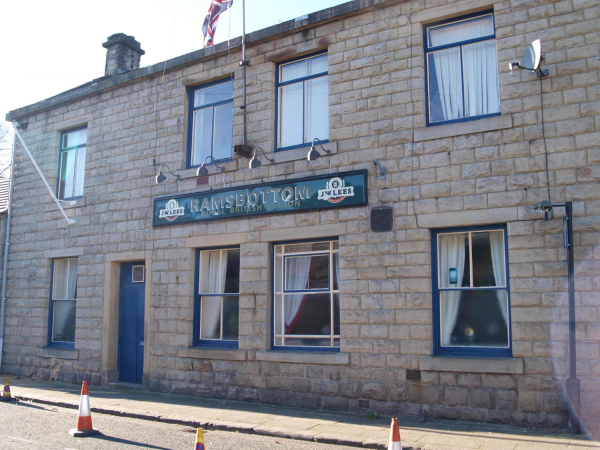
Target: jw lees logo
(335,191)
(172,211)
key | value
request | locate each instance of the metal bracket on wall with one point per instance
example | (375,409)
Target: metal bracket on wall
(382,170)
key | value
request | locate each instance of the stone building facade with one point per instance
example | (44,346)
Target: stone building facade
(464,176)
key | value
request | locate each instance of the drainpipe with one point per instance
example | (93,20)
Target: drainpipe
(244,63)
(6,247)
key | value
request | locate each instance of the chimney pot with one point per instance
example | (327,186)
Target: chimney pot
(123,53)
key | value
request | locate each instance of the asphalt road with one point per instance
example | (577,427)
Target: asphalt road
(29,426)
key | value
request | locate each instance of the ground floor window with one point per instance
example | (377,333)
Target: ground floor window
(217,302)
(306,306)
(471,294)
(63,295)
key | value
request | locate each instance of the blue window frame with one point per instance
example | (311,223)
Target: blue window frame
(306,295)
(471,301)
(63,299)
(210,127)
(71,166)
(216,305)
(462,69)
(302,98)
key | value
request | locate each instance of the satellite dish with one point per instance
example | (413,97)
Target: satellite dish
(532,56)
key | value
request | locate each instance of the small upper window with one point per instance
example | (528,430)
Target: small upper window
(462,70)
(62,302)
(72,163)
(303,101)
(211,128)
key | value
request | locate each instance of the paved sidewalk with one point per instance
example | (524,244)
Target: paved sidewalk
(296,423)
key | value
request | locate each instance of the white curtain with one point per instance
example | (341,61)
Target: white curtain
(72,284)
(69,175)
(482,92)
(451,255)
(297,271)
(449,89)
(292,115)
(499,265)
(216,266)
(317,109)
(79,172)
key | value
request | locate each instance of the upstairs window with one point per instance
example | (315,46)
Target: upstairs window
(306,309)
(471,293)
(63,297)
(211,122)
(303,102)
(462,70)
(71,173)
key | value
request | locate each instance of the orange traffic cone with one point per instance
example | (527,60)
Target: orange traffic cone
(6,395)
(84,421)
(395,442)
(199,440)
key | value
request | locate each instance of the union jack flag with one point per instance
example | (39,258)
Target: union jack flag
(210,22)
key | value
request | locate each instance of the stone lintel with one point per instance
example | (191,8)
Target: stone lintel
(140,255)
(216,240)
(219,354)
(469,218)
(304,357)
(451,10)
(71,252)
(472,365)
(312,232)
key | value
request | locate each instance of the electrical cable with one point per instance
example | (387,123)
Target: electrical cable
(544,137)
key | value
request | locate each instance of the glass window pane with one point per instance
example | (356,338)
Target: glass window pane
(336,271)
(278,274)
(211,272)
(63,326)
(307,342)
(445,85)
(291,115)
(460,31)
(79,172)
(453,259)
(317,109)
(67,174)
(476,318)
(277,315)
(72,279)
(232,278)
(210,318)
(488,259)
(306,272)
(307,314)
(318,64)
(294,70)
(212,94)
(336,314)
(59,284)
(480,69)
(223,132)
(306,247)
(231,318)
(202,135)
(74,138)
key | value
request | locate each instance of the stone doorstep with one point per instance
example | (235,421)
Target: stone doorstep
(217,425)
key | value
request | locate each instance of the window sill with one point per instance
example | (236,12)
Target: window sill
(225,354)
(304,357)
(58,352)
(67,204)
(472,365)
(462,128)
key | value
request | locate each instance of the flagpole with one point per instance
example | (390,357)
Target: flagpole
(244,62)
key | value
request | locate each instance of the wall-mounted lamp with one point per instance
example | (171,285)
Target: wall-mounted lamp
(203,171)
(382,170)
(160,177)
(255,162)
(314,154)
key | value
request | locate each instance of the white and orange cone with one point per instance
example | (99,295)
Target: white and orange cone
(199,440)
(395,441)
(6,395)
(84,421)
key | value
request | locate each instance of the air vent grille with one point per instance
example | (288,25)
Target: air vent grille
(382,218)
(364,403)
(137,274)
(413,375)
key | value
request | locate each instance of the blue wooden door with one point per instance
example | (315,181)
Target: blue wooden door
(131,322)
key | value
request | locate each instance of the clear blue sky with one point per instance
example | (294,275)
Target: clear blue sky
(51,46)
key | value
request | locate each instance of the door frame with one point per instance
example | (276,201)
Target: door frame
(110,325)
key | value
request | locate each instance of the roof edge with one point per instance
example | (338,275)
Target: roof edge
(102,84)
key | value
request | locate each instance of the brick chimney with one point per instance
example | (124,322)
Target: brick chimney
(123,53)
